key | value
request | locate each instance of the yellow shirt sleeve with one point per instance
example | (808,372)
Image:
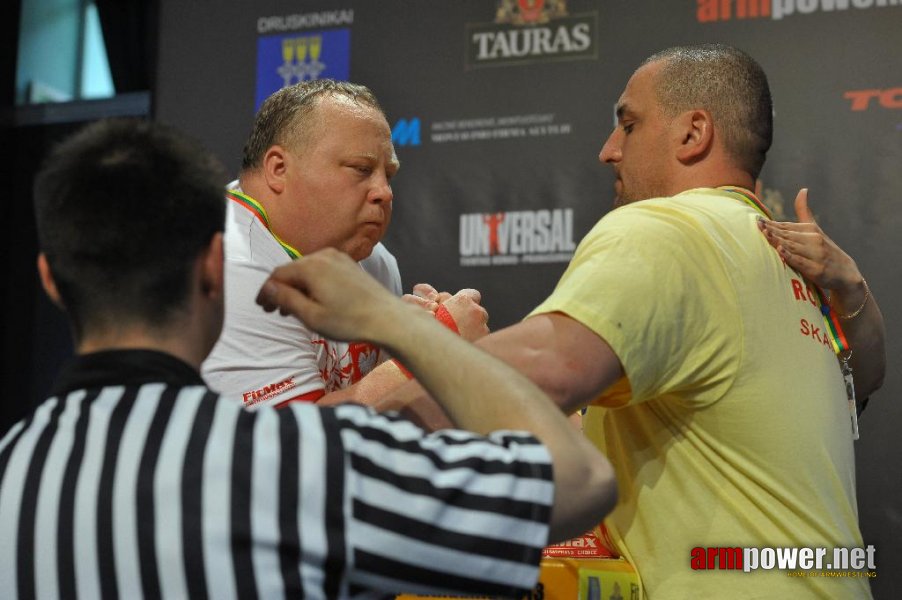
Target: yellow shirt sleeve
(646,282)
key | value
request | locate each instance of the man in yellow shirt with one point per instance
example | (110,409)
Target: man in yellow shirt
(701,350)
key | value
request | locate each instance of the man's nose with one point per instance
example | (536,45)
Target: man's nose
(610,152)
(381,193)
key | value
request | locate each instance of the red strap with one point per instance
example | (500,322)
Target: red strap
(402,368)
(443,316)
(313,396)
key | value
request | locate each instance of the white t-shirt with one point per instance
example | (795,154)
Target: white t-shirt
(267,358)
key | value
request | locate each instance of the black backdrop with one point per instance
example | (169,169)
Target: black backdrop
(500,123)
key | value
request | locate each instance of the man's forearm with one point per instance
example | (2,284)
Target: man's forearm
(376,384)
(415,403)
(478,393)
(566,360)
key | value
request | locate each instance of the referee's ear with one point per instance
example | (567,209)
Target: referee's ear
(212,267)
(47,281)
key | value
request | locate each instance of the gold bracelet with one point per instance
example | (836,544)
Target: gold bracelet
(867,294)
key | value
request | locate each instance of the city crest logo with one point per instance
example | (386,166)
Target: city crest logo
(284,60)
(529,31)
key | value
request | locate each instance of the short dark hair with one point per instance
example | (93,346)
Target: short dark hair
(124,208)
(283,117)
(731,85)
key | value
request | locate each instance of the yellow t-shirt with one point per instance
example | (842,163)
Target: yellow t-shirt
(731,427)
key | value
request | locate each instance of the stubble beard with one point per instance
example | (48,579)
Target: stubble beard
(623,196)
(650,189)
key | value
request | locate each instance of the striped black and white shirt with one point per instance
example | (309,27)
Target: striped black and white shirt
(135,480)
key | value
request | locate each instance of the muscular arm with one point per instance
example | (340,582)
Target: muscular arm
(568,361)
(805,247)
(377,383)
(479,393)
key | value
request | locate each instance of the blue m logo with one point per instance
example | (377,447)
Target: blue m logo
(406,133)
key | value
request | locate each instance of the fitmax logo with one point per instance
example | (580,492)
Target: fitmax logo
(406,132)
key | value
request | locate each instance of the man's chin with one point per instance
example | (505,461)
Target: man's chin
(622,199)
(360,249)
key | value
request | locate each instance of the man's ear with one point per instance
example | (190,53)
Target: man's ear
(47,281)
(212,267)
(696,132)
(275,167)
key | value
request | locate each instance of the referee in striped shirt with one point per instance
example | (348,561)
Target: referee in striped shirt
(135,480)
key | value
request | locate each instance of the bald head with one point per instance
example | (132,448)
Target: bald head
(730,85)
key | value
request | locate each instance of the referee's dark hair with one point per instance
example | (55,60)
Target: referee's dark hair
(123,209)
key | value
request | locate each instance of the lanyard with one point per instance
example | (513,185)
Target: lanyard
(831,320)
(257,209)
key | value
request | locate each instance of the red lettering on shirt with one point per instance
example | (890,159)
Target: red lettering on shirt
(803,292)
(804,329)
(809,330)
(798,289)
(815,333)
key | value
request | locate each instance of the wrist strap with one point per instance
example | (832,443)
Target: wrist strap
(443,316)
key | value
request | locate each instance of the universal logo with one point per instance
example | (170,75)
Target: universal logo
(529,31)
(514,237)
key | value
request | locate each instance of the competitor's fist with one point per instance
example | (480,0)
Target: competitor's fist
(469,316)
(426,297)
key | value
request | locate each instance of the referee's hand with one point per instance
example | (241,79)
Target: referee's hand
(333,295)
